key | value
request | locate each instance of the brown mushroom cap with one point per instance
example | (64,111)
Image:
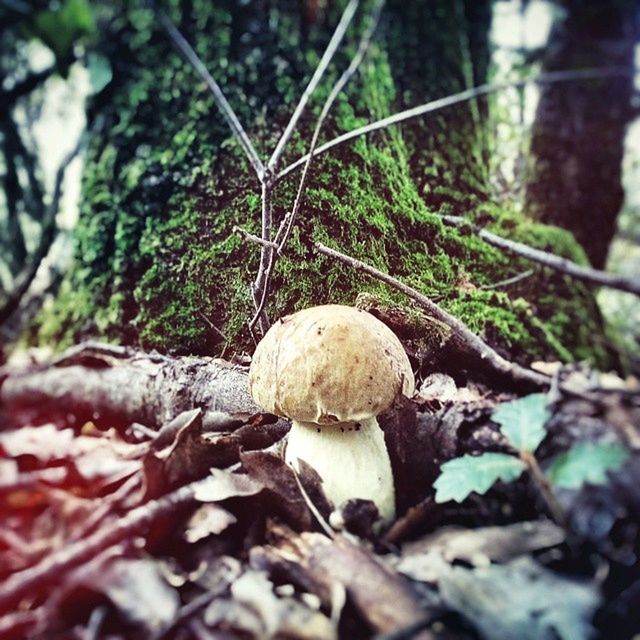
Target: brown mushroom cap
(328,364)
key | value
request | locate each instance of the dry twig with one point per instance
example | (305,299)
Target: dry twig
(564,265)
(457,98)
(509,281)
(180,42)
(330,51)
(467,340)
(284,230)
(261,285)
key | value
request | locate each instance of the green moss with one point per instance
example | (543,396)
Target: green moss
(157,263)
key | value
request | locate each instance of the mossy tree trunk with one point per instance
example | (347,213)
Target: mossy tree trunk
(157,262)
(578,141)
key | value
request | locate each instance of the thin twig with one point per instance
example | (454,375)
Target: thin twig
(260,286)
(180,42)
(509,281)
(253,238)
(468,340)
(213,326)
(544,487)
(564,265)
(142,431)
(336,38)
(285,228)
(187,611)
(312,507)
(457,98)
(96,622)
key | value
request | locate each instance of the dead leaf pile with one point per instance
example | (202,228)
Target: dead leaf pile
(196,528)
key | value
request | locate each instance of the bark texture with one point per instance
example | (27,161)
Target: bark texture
(132,387)
(577,146)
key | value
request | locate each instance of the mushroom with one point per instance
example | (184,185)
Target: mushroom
(332,369)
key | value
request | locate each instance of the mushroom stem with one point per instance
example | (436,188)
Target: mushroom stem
(351,458)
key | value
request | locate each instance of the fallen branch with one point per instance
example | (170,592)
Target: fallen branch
(564,265)
(457,98)
(464,338)
(187,51)
(124,386)
(33,580)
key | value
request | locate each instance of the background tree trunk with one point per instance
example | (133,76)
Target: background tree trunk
(157,263)
(577,147)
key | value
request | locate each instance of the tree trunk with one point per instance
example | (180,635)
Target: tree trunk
(157,263)
(578,139)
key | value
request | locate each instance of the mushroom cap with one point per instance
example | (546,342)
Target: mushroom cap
(329,364)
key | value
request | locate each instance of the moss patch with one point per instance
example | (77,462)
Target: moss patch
(157,263)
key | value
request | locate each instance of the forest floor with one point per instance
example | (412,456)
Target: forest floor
(144,496)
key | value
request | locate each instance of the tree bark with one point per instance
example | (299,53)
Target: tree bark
(576,168)
(117,388)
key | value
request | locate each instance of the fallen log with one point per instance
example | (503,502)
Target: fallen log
(116,385)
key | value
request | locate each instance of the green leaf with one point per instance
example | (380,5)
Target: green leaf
(522,421)
(460,476)
(61,28)
(78,15)
(100,74)
(586,462)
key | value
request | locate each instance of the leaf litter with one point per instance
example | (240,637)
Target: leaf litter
(196,528)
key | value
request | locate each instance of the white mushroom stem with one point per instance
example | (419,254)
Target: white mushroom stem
(351,458)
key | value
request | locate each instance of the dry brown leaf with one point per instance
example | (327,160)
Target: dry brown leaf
(254,608)
(207,520)
(429,558)
(383,598)
(221,485)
